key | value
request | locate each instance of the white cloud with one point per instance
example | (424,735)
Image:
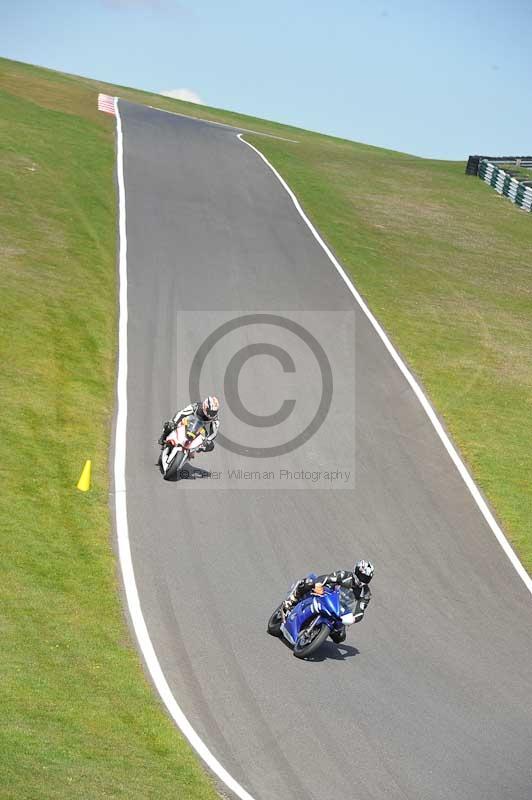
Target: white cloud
(184,94)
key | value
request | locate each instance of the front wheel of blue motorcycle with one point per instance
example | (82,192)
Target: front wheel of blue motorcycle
(310,639)
(275,622)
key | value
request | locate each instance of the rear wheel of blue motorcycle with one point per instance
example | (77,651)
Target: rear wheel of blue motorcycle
(275,622)
(309,641)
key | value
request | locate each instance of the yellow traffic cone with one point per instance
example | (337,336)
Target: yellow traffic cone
(84,483)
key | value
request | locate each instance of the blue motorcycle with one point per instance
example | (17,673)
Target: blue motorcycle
(314,618)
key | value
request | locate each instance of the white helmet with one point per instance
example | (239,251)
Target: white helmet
(364,571)
(210,407)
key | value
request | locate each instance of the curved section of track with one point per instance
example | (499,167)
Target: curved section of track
(431,695)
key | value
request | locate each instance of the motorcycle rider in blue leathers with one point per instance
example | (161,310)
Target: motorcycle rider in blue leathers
(356,581)
(207,411)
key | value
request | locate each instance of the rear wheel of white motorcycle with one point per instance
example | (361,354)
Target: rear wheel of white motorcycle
(175,466)
(275,622)
(309,640)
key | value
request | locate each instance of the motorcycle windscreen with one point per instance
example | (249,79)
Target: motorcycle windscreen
(347,601)
(331,602)
(194,428)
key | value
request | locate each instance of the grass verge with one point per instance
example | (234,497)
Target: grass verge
(78,718)
(444,262)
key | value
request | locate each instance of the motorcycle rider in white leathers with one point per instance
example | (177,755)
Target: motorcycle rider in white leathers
(207,411)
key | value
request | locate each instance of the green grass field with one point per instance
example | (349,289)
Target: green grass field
(78,718)
(443,261)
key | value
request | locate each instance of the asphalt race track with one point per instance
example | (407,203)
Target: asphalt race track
(431,695)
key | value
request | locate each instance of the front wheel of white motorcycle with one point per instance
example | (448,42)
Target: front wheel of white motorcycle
(309,640)
(177,464)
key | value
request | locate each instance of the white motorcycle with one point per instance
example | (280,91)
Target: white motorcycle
(180,445)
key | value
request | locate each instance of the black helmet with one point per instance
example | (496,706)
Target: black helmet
(364,571)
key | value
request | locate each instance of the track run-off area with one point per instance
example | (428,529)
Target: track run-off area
(328,456)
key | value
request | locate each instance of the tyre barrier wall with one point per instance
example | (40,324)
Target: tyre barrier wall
(518,191)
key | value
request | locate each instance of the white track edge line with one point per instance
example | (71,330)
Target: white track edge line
(224,125)
(451,450)
(122,530)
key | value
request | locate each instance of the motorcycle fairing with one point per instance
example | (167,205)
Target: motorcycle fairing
(189,435)
(323,608)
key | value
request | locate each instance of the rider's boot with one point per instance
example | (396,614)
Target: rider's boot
(167,428)
(339,636)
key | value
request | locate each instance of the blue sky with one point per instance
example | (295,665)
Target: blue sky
(440,78)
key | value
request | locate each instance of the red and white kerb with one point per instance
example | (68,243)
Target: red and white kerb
(106,103)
